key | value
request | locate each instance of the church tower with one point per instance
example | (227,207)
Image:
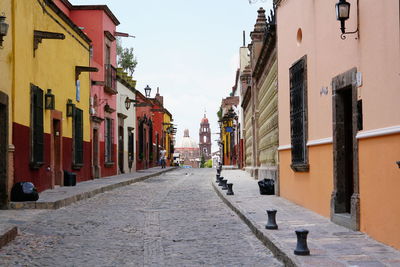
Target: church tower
(205,138)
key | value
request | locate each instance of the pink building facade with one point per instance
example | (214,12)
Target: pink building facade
(99,23)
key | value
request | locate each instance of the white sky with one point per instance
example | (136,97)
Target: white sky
(188,48)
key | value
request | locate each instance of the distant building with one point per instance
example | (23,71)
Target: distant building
(205,138)
(189,151)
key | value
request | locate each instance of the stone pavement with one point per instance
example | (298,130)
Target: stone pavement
(329,244)
(66,195)
(174,219)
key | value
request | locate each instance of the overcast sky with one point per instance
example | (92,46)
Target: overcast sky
(187,48)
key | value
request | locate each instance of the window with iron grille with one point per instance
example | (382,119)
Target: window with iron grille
(78,138)
(141,140)
(109,136)
(151,141)
(298,115)
(131,155)
(37,132)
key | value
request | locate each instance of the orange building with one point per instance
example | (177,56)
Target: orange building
(339,116)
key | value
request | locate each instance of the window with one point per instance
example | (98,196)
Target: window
(131,155)
(141,140)
(78,138)
(109,137)
(37,135)
(151,141)
(298,115)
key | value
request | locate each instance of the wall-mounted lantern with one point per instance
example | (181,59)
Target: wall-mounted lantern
(147,91)
(70,108)
(343,14)
(128,102)
(49,100)
(3,29)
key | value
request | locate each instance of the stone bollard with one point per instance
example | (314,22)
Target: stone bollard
(271,224)
(217,176)
(224,182)
(301,247)
(230,191)
(220,180)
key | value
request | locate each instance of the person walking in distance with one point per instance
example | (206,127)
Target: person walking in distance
(162,157)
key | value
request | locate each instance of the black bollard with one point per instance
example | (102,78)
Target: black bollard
(224,187)
(220,180)
(217,176)
(271,224)
(230,191)
(218,172)
(301,247)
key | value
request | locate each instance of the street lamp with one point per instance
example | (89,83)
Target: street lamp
(70,108)
(3,29)
(49,100)
(343,14)
(147,91)
(128,102)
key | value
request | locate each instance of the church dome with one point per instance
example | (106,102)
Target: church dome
(186,141)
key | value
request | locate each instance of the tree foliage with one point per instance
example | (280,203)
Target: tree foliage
(208,164)
(203,160)
(125,58)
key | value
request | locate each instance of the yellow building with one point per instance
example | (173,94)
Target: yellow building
(51,89)
(168,133)
(6,71)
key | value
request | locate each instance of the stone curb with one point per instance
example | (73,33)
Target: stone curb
(8,235)
(270,242)
(81,196)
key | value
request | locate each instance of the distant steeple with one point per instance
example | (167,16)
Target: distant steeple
(159,97)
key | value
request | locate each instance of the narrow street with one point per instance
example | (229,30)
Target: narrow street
(175,219)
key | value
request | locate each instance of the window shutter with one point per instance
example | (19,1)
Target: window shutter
(78,135)
(298,112)
(111,139)
(106,133)
(37,126)
(108,140)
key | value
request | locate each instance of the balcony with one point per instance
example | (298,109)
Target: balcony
(110,79)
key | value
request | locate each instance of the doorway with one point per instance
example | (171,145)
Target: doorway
(95,149)
(345,207)
(3,148)
(121,149)
(56,151)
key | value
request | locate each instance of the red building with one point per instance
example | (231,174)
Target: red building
(144,132)
(158,126)
(99,23)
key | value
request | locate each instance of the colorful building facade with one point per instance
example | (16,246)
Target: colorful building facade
(51,115)
(339,121)
(125,126)
(99,23)
(144,132)
(169,136)
(264,98)
(6,95)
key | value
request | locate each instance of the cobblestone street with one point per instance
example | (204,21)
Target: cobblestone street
(175,219)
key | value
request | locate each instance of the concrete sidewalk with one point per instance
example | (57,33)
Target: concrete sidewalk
(19,212)
(329,244)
